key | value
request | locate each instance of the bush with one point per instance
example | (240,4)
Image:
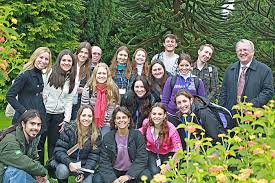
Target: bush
(245,154)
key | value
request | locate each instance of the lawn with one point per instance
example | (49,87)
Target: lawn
(4,121)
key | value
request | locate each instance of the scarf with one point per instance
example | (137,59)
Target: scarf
(121,67)
(100,105)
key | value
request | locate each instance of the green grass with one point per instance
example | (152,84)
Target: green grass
(4,121)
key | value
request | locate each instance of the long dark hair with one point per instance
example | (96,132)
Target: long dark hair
(85,69)
(156,83)
(58,76)
(125,111)
(164,131)
(24,118)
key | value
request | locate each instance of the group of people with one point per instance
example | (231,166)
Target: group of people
(116,123)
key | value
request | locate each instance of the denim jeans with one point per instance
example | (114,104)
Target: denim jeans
(14,175)
(62,173)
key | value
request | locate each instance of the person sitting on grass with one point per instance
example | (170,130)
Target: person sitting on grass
(18,151)
(81,140)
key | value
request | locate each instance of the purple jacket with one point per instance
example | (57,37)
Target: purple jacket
(168,94)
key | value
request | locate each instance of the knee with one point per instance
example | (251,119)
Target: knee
(97,178)
(62,171)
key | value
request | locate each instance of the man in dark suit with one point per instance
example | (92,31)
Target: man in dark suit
(246,77)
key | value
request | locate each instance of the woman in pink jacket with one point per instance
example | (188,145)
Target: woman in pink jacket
(161,136)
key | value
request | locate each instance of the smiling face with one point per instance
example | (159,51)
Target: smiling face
(101,75)
(205,54)
(139,88)
(96,54)
(82,56)
(122,57)
(184,67)
(31,128)
(157,71)
(121,120)
(170,44)
(66,63)
(184,104)
(140,57)
(86,117)
(245,52)
(42,61)
(157,116)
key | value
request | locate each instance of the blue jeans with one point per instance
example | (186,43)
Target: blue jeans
(14,175)
(62,173)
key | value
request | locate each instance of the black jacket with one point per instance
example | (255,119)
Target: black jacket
(28,86)
(68,138)
(204,117)
(142,105)
(136,150)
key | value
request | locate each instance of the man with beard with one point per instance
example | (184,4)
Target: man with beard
(206,72)
(168,56)
(18,151)
(246,77)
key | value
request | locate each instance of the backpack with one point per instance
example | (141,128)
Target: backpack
(174,79)
(223,115)
(6,131)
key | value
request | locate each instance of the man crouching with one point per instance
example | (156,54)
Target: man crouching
(18,151)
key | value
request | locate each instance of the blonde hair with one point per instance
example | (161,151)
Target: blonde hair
(35,54)
(92,130)
(112,89)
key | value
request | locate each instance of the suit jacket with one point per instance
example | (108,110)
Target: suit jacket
(258,86)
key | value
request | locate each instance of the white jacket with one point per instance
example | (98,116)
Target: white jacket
(58,100)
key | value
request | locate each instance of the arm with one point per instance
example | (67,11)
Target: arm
(13,91)
(267,90)
(201,89)
(68,98)
(12,155)
(85,96)
(166,93)
(214,85)
(93,157)
(175,139)
(141,158)
(106,166)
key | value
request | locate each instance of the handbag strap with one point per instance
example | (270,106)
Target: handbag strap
(74,148)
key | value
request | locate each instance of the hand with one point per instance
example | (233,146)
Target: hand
(62,125)
(74,167)
(122,179)
(79,178)
(80,90)
(40,179)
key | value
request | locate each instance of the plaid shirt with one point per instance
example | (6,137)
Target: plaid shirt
(209,76)
(121,80)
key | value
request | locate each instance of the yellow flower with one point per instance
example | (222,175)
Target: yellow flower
(259,181)
(252,137)
(221,178)
(13,37)
(216,169)
(14,20)
(144,178)
(159,178)
(237,139)
(221,135)
(245,173)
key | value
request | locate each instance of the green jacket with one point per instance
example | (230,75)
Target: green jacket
(13,152)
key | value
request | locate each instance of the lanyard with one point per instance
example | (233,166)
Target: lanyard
(78,155)
(122,80)
(184,122)
(156,142)
(187,83)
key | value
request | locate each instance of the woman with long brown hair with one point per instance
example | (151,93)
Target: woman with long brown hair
(121,69)
(161,136)
(140,65)
(85,135)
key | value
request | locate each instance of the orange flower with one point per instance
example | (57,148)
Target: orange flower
(272,153)
(213,156)
(245,173)
(190,129)
(251,143)
(216,169)
(258,114)
(241,148)
(258,151)
(221,178)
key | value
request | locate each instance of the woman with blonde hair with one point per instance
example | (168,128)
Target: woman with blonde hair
(102,93)
(84,136)
(121,69)
(140,65)
(26,91)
